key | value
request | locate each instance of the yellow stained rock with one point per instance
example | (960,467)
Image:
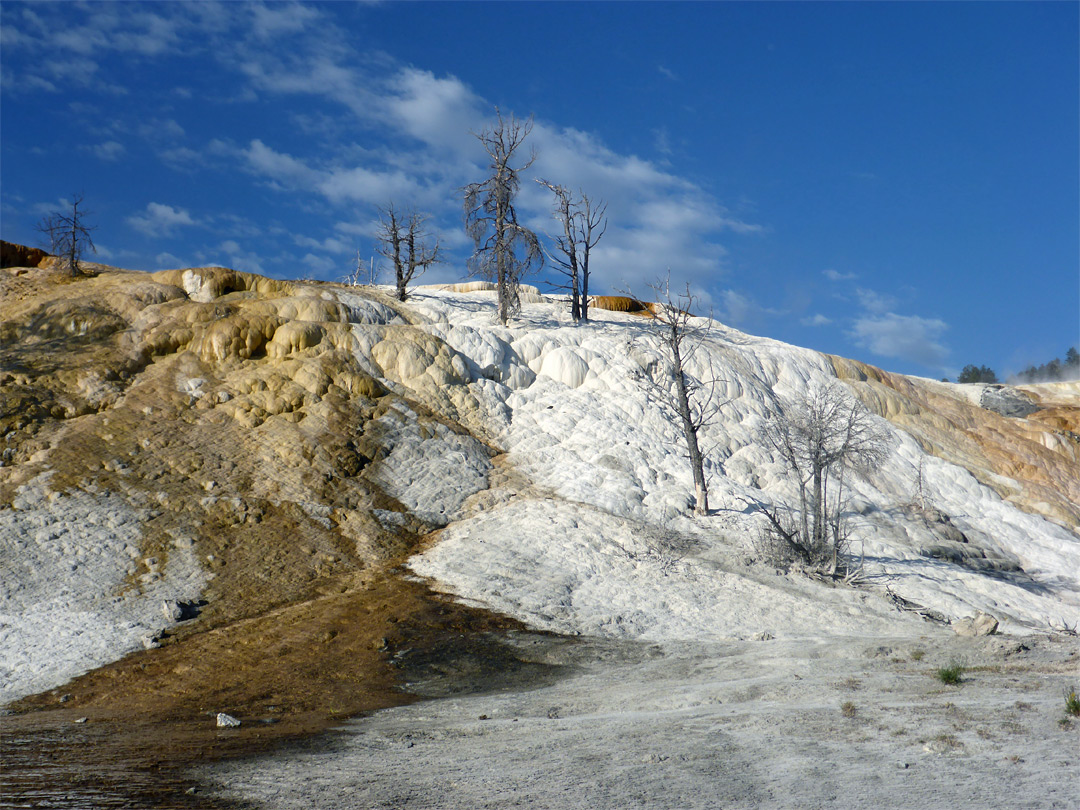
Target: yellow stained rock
(1041,452)
(294,336)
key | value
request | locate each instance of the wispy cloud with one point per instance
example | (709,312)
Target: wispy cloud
(161,129)
(77,38)
(329,245)
(836,275)
(315,265)
(907,337)
(160,220)
(662,141)
(816,320)
(281,18)
(337,184)
(109,151)
(280,167)
(406,133)
(875,302)
(741,310)
(165,259)
(230,254)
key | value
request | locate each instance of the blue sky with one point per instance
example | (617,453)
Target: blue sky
(893,182)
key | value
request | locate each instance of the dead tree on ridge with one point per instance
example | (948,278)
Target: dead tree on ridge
(68,235)
(583,225)
(505,250)
(403,240)
(696,402)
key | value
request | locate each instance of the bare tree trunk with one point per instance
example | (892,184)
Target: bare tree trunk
(491,221)
(393,233)
(592,227)
(836,522)
(585,288)
(823,432)
(690,431)
(693,401)
(817,505)
(583,225)
(68,235)
(804,512)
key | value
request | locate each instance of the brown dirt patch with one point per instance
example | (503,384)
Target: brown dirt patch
(308,619)
(287,675)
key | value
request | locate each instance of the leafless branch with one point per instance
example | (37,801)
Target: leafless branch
(67,235)
(504,250)
(404,241)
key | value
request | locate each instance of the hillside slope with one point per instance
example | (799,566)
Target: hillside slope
(203,454)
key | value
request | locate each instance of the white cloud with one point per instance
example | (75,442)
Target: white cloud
(238,258)
(336,184)
(108,151)
(168,260)
(662,141)
(836,275)
(875,302)
(739,309)
(816,320)
(182,157)
(160,220)
(77,36)
(366,185)
(279,166)
(423,124)
(161,129)
(322,266)
(907,337)
(329,245)
(667,73)
(440,112)
(281,18)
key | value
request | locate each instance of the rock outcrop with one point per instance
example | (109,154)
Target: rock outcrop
(13,255)
(241,421)
(1030,461)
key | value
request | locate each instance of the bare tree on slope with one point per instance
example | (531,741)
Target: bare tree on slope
(68,235)
(694,401)
(505,250)
(583,225)
(820,435)
(404,241)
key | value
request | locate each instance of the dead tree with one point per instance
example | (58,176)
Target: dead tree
(403,240)
(695,401)
(505,250)
(583,225)
(592,225)
(820,435)
(67,235)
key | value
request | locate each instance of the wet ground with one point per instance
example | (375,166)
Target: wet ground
(125,736)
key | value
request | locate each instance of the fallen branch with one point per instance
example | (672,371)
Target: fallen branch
(908,606)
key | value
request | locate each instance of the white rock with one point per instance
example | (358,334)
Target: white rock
(226,721)
(172,610)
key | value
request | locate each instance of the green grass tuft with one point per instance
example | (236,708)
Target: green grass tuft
(1072,703)
(952,674)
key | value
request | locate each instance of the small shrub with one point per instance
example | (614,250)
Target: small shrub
(1072,703)
(918,655)
(847,708)
(951,674)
